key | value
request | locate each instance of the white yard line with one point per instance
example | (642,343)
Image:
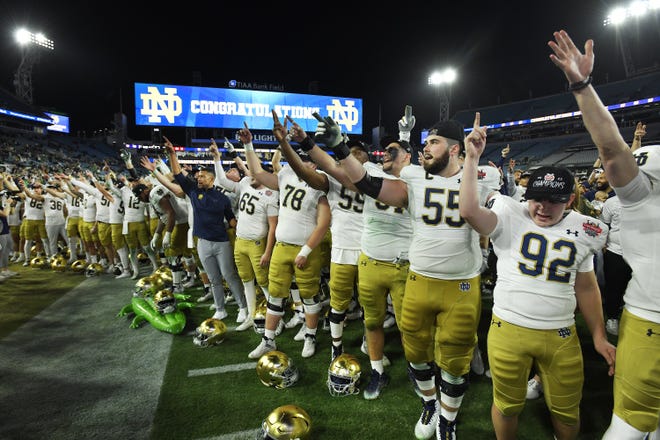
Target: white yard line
(223,369)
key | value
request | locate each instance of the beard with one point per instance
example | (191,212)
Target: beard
(437,164)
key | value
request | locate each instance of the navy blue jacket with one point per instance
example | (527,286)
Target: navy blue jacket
(210,208)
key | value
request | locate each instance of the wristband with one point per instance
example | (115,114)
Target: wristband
(306,144)
(341,151)
(305,251)
(574,87)
(248,146)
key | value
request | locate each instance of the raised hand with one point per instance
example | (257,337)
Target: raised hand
(146,163)
(576,66)
(406,124)
(244,134)
(213,148)
(640,130)
(279,130)
(230,148)
(169,147)
(475,142)
(327,131)
(296,131)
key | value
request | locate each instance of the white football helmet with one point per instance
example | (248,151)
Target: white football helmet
(344,375)
(287,422)
(275,369)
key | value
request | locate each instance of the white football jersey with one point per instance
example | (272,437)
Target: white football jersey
(73,205)
(640,234)
(254,208)
(386,229)
(611,216)
(34,209)
(89,208)
(347,223)
(298,208)
(536,266)
(133,206)
(14,218)
(444,245)
(179,205)
(53,210)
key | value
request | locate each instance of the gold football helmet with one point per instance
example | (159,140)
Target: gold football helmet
(259,318)
(93,270)
(344,375)
(210,332)
(165,301)
(142,258)
(38,263)
(275,369)
(287,422)
(142,286)
(165,273)
(79,266)
(58,263)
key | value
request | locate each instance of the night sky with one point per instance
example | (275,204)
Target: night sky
(383,56)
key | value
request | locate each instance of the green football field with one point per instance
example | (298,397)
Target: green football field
(72,369)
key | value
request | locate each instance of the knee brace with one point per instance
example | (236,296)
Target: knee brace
(311,305)
(453,386)
(336,318)
(175,263)
(276,306)
(422,372)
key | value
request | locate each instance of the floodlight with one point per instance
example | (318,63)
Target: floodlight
(25,37)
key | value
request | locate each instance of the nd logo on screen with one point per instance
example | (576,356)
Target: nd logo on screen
(157,105)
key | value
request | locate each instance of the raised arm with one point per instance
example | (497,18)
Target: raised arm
(174,161)
(482,219)
(254,163)
(174,188)
(618,161)
(640,132)
(220,175)
(315,180)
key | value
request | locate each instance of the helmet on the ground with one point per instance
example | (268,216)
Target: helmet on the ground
(344,375)
(142,258)
(142,286)
(58,263)
(165,301)
(93,269)
(210,332)
(164,272)
(287,422)
(79,266)
(276,369)
(38,263)
(259,318)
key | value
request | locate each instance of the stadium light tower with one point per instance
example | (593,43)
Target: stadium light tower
(32,44)
(623,16)
(442,81)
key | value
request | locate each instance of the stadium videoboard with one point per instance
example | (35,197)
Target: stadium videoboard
(186,106)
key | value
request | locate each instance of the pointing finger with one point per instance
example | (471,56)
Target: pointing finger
(408,112)
(276,119)
(477,120)
(318,117)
